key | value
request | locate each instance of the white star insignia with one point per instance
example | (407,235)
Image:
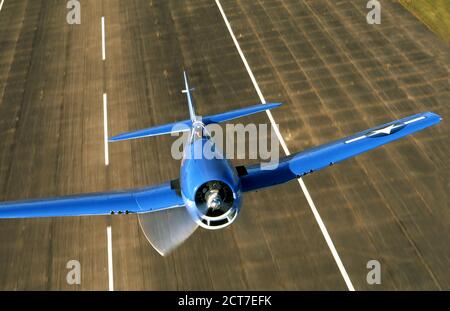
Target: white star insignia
(387,130)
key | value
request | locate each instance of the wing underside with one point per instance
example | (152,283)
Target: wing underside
(131,201)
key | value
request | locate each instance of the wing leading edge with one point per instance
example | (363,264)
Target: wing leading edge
(306,162)
(142,200)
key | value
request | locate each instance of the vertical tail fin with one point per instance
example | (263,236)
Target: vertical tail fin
(187,90)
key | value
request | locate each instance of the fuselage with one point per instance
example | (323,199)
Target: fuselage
(209,184)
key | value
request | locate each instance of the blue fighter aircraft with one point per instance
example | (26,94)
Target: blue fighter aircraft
(209,190)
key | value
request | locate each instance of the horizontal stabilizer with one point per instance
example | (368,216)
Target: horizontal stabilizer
(238,113)
(256,176)
(170,128)
(186,125)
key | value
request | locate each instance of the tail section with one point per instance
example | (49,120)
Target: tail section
(186,125)
(187,91)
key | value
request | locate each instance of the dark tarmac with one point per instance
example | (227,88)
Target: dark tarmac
(335,74)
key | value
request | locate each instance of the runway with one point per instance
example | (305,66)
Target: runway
(335,74)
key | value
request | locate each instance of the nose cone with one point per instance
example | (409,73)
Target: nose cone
(214,200)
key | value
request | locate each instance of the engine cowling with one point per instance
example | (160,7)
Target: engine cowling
(209,184)
(215,205)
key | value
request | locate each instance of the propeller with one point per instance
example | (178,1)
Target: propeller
(167,229)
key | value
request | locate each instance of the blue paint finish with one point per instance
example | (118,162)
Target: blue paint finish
(234,114)
(196,171)
(202,163)
(134,201)
(154,131)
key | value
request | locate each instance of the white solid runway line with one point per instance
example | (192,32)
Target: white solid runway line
(316,214)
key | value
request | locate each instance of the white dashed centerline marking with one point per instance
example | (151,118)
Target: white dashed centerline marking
(110,260)
(103,39)
(105,127)
(317,216)
(105,138)
(1,4)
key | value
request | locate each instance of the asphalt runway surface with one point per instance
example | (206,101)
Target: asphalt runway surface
(335,74)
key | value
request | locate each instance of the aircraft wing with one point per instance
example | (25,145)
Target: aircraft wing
(142,200)
(294,166)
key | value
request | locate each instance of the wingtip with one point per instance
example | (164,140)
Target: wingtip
(433,114)
(119,138)
(274,105)
(113,139)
